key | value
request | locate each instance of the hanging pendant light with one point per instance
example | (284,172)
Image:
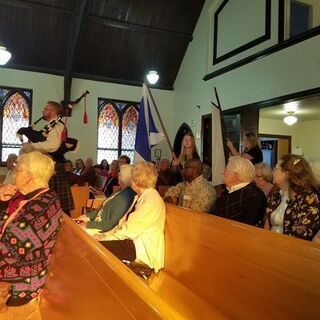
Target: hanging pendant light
(5,55)
(152,77)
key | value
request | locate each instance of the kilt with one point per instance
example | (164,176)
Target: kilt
(60,184)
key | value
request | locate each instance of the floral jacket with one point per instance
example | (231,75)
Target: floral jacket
(302,215)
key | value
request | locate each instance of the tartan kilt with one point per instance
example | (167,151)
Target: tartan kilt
(60,184)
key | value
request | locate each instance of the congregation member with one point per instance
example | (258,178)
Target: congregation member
(89,174)
(295,209)
(114,208)
(165,176)
(11,160)
(188,151)
(123,159)
(104,168)
(112,179)
(28,228)
(252,149)
(139,236)
(196,192)
(72,177)
(79,166)
(242,200)
(264,179)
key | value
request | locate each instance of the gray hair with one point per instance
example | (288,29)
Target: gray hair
(266,171)
(126,174)
(243,167)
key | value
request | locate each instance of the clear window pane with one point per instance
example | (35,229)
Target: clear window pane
(15,115)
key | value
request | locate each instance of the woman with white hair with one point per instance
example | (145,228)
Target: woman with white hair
(264,179)
(242,201)
(140,235)
(114,208)
(28,228)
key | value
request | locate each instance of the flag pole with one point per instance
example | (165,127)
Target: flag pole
(221,114)
(160,120)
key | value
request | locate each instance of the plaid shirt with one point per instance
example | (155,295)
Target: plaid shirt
(201,191)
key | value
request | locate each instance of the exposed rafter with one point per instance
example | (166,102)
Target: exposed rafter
(111,23)
(79,19)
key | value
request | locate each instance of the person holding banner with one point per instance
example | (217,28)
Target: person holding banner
(252,149)
(188,152)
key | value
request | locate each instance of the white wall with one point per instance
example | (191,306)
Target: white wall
(293,69)
(50,87)
(304,134)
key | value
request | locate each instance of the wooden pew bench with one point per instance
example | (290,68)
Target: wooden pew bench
(85,281)
(216,265)
(215,269)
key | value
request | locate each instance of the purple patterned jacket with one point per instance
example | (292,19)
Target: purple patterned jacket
(26,245)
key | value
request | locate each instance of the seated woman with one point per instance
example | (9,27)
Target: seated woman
(295,209)
(264,179)
(114,208)
(28,228)
(139,236)
(252,149)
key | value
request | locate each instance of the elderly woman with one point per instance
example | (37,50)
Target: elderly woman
(114,208)
(295,209)
(28,228)
(140,235)
(264,178)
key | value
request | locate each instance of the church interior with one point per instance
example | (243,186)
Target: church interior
(206,114)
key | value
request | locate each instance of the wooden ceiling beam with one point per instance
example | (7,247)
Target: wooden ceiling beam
(24,4)
(76,34)
(112,23)
(125,25)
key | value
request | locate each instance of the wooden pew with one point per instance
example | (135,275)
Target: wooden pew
(85,281)
(214,269)
(80,195)
(242,271)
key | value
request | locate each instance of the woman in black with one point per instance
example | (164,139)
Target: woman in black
(252,149)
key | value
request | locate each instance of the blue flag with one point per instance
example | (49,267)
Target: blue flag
(147,134)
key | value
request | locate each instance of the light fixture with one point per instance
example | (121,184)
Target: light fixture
(290,119)
(152,77)
(291,107)
(5,55)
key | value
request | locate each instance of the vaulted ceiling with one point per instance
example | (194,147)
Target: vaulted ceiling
(107,40)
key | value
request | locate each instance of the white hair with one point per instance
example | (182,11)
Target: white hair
(243,167)
(125,176)
(39,165)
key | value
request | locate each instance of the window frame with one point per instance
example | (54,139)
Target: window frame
(101,103)
(12,91)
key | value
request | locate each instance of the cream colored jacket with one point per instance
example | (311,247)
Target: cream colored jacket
(145,227)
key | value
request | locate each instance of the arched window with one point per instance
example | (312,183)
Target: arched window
(117,126)
(15,113)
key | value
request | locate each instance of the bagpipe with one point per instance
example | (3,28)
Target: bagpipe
(68,144)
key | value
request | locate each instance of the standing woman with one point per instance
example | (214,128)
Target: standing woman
(295,209)
(188,151)
(252,149)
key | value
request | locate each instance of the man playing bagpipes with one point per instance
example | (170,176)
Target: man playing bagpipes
(53,135)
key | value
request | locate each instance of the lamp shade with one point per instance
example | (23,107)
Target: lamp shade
(5,55)
(152,77)
(290,120)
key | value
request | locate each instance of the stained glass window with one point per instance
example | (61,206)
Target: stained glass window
(117,126)
(15,109)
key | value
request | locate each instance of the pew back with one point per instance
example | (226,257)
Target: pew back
(80,195)
(85,281)
(242,271)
